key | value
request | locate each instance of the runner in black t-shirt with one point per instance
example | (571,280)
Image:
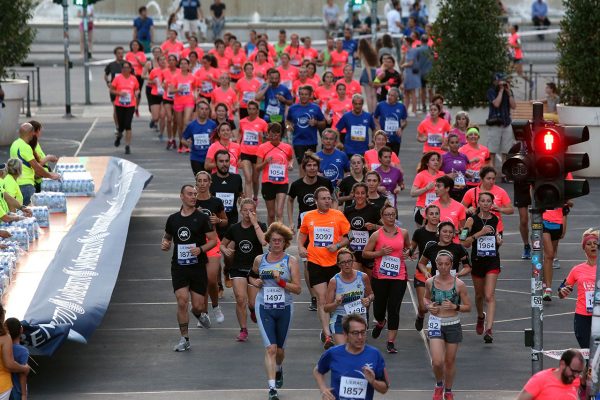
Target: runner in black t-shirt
(446,234)
(193,235)
(373,181)
(242,243)
(357,174)
(214,209)
(304,190)
(364,219)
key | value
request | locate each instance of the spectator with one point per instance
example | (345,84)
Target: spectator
(353,22)
(539,15)
(387,46)
(419,11)
(143,29)
(369,61)
(331,15)
(387,78)
(556,383)
(395,25)
(192,13)
(500,135)
(21,355)
(425,63)
(175,24)
(405,6)
(218,13)
(90,29)
(350,45)
(412,77)
(366,27)
(413,27)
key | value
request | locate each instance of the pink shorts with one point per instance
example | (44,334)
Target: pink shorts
(215,251)
(179,107)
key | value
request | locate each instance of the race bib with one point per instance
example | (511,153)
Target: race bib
(201,140)
(589,300)
(274,297)
(235,69)
(430,198)
(359,240)
(272,110)
(184,254)
(474,174)
(207,87)
(391,126)
(358,133)
(459,180)
(434,327)
(159,88)
(486,246)
(184,89)
(125,100)
(248,96)
(355,307)
(227,199)
(390,266)
(250,138)
(323,236)
(353,388)
(276,172)
(434,139)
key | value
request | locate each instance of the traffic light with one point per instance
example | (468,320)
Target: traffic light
(520,166)
(552,163)
(82,3)
(358,3)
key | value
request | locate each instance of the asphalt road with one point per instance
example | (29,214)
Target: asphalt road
(130,356)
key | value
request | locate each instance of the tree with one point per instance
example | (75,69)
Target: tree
(470,49)
(17,35)
(579,53)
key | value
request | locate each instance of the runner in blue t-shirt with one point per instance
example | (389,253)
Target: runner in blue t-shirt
(357,124)
(390,116)
(197,135)
(274,97)
(306,119)
(334,163)
(357,369)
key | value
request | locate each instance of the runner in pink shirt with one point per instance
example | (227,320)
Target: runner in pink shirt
(246,89)
(423,187)
(184,85)
(252,131)
(223,142)
(225,95)
(432,132)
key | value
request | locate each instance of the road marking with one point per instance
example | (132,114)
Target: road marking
(527,318)
(85,137)
(416,308)
(172,303)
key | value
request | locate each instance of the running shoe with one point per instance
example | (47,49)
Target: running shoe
(448,396)
(322,336)
(170,144)
(186,149)
(253,316)
(377,329)
(180,148)
(152,124)
(243,336)
(204,321)
(313,304)
(127,149)
(328,343)
(118,138)
(526,252)
(391,349)
(547,294)
(279,379)
(479,327)
(419,323)
(438,393)
(218,314)
(183,345)
(273,394)
(556,263)
(488,337)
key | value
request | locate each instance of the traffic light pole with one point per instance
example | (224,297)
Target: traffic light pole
(65,7)
(86,60)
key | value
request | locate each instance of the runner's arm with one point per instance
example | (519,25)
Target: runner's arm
(295,286)
(330,303)
(211,241)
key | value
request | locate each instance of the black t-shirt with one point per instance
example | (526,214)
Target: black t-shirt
(345,186)
(113,69)
(186,231)
(306,193)
(247,245)
(228,189)
(358,218)
(390,79)
(217,9)
(485,248)
(378,202)
(190,9)
(423,238)
(457,251)
(212,206)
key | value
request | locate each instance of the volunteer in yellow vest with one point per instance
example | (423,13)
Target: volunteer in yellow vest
(14,168)
(39,154)
(21,149)
(8,203)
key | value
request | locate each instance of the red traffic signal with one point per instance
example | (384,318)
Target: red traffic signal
(548,141)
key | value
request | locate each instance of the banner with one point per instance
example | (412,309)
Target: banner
(74,293)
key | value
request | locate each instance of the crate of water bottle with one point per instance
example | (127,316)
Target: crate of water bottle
(19,235)
(51,185)
(8,263)
(69,167)
(41,215)
(9,246)
(77,184)
(29,224)
(55,201)
(4,282)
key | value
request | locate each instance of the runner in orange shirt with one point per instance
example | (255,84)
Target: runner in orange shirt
(432,131)
(185,86)
(223,142)
(326,231)
(126,89)
(262,66)
(252,130)
(238,59)
(372,155)
(137,58)
(338,106)
(309,53)
(295,51)
(156,91)
(224,94)
(478,155)
(450,209)
(172,46)
(311,68)
(338,58)
(423,187)
(352,85)
(208,76)
(302,81)
(168,100)
(223,60)
(326,92)
(287,71)
(193,46)
(246,89)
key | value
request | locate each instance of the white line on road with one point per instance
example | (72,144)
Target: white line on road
(85,137)
(526,318)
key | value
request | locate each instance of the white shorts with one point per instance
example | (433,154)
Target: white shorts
(190,25)
(500,139)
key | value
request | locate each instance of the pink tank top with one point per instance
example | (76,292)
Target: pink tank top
(391,266)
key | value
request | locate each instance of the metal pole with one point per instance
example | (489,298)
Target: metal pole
(537,261)
(373,23)
(86,50)
(67,60)
(28,113)
(593,384)
(530,80)
(39,90)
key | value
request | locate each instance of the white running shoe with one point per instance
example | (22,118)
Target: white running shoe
(183,345)
(204,321)
(218,314)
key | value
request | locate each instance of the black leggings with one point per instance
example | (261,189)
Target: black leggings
(124,117)
(197,166)
(388,297)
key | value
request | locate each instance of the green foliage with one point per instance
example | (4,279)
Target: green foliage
(17,35)
(579,53)
(470,49)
